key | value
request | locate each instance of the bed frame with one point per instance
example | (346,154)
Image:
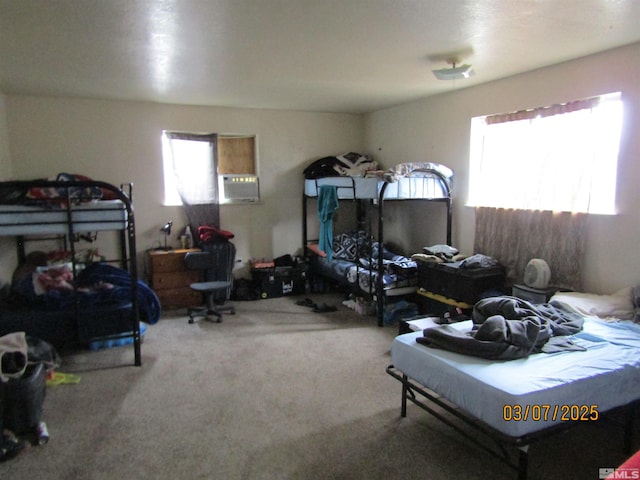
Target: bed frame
(512,451)
(463,391)
(419,183)
(70,220)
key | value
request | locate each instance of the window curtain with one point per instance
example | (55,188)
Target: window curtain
(514,237)
(196,177)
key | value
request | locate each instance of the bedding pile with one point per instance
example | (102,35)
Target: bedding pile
(506,328)
(355,262)
(52,197)
(347,164)
(55,288)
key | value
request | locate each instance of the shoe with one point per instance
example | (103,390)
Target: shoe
(324,308)
(307,302)
(10,447)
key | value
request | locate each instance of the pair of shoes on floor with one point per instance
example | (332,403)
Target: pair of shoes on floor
(321,308)
(10,446)
(307,302)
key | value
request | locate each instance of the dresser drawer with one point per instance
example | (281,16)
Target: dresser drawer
(170,279)
(168,261)
(179,297)
(164,280)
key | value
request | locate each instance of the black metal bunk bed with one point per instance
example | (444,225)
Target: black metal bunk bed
(68,210)
(416,181)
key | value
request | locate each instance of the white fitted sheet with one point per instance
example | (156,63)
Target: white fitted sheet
(607,375)
(86,217)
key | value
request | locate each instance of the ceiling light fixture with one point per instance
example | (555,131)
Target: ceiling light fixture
(454,73)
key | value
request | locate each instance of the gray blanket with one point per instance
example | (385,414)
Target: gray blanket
(506,328)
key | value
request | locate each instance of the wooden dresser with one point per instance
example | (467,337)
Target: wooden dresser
(170,279)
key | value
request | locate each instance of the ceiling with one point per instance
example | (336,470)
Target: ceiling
(321,55)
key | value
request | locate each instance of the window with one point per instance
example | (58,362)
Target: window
(209,168)
(558,158)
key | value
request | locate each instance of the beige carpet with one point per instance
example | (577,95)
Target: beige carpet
(274,392)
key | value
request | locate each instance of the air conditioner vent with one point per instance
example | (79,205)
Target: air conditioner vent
(240,188)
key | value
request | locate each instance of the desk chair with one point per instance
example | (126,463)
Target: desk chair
(210,268)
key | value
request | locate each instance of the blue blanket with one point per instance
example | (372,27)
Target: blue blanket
(88,295)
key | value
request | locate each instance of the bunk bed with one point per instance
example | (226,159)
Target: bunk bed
(373,269)
(81,302)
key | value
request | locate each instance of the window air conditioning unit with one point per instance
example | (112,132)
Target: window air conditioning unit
(240,188)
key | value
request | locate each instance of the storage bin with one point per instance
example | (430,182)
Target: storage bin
(279,281)
(462,284)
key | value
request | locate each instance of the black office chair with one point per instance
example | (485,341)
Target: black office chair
(215,283)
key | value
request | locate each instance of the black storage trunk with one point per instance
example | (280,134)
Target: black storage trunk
(463,284)
(279,281)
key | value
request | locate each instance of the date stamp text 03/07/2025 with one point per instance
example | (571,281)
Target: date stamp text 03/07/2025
(548,412)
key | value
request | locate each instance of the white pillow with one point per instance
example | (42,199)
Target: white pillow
(617,305)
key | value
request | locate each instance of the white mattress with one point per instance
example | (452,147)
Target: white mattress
(86,217)
(606,375)
(369,188)
(348,187)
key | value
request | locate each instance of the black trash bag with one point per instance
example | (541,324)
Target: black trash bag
(244,290)
(41,351)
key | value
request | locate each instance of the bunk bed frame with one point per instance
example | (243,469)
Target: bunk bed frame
(67,218)
(391,188)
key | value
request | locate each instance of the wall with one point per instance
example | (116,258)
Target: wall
(120,142)
(6,244)
(437,129)
(5,164)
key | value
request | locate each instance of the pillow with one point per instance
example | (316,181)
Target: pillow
(615,306)
(348,246)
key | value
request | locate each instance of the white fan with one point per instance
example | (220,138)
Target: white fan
(537,273)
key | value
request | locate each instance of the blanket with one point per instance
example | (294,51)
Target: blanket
(97,284)
(506,328)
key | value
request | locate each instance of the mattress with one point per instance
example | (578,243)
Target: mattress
(347,187)
(370,187)
(86,217)
(549,388)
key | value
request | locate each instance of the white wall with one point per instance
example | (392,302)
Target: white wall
(5,164)
(6,244)
(437,129)
(120,142)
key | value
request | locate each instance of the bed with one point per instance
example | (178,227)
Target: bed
(516,402)
(81,302)
(370,266)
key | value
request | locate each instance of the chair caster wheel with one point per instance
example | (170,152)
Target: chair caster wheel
(191,320)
